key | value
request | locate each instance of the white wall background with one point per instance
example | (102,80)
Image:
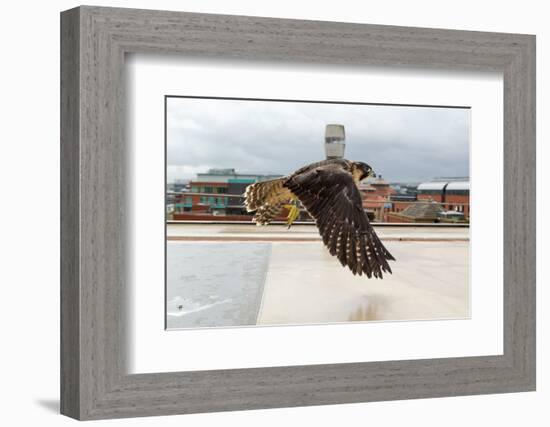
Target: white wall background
(29,225)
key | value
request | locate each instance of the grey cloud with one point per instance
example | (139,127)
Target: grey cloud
(401,143)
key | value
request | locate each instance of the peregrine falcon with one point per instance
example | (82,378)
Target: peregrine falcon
(328,192)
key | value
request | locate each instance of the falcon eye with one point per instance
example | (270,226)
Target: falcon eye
(367,170)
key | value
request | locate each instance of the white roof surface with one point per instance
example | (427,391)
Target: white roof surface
(432,186)
(321,291)
(458,185)
(451,185)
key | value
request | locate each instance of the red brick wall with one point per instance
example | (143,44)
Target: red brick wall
(434,197)
(392,217)
(456,199)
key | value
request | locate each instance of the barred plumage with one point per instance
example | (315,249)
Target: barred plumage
(267,213)
(267,199)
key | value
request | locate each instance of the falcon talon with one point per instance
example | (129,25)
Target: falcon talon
(293,213)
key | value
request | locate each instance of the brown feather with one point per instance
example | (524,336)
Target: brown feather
(328,192)
(267,199)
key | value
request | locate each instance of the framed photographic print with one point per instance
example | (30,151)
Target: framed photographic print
(224,271)
(261,213)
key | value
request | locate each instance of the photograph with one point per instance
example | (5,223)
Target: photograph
(296,212)
(262,210)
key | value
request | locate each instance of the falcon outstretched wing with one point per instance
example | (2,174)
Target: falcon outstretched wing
(331,197)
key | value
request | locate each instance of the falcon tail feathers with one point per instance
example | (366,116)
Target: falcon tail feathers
(260,193)
(267,213)
(267,199)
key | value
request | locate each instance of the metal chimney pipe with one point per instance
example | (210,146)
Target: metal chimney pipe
(335,141)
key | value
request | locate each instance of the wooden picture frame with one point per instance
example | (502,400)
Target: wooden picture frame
(94,41)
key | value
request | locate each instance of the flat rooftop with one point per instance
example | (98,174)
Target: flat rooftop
(224,275)
(306,232)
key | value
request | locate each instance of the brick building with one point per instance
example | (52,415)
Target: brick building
(452,193)
(217,192)
(419,212)
(376,193)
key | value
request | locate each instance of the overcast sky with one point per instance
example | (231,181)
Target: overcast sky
(410,144)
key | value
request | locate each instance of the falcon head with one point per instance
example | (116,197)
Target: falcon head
(361,170)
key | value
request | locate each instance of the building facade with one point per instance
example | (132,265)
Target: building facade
(216,193)
(452,193)
(439,200)
(376,193)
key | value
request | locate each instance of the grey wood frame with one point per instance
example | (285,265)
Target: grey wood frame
(94,41)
